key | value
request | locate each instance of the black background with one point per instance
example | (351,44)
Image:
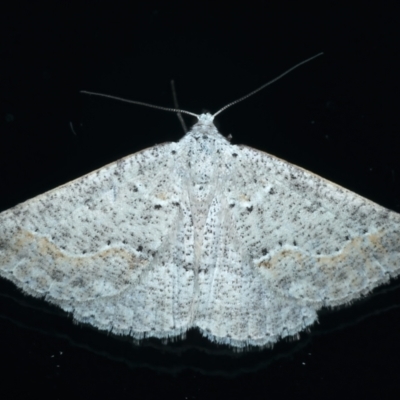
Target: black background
(336,116)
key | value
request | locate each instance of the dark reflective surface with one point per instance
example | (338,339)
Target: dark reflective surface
(193,353)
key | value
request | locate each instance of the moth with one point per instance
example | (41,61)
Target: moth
(200,233)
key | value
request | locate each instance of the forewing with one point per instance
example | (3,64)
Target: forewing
(109,246)
(282,243)
(311,239)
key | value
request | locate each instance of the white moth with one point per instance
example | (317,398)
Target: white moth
(200,233)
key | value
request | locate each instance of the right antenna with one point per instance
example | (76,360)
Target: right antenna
(267,84)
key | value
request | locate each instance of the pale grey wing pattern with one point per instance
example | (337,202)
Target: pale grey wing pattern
(107,246)
(237,305)
(312,240)
(284,243)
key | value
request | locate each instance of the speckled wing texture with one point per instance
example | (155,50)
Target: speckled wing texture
(200,233)
(289,243)
(111,247)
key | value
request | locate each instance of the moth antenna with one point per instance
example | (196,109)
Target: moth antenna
(140,103)
(267,84)
(176,105)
